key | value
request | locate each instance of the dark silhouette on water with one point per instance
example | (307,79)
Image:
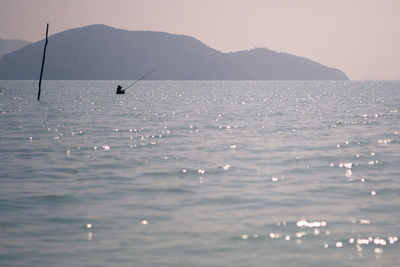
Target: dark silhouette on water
(44,56)
(119,90)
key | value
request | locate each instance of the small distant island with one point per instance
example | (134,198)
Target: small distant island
(100,52)
(10,45)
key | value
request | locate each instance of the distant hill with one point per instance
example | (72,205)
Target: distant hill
(7,46)
(99,52)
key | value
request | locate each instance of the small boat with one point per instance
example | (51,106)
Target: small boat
(119,90)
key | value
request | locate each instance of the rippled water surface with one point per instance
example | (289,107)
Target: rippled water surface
(200,174)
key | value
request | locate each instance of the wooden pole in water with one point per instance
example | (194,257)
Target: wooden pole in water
(44,56)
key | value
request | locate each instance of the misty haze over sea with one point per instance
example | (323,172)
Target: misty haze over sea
(199,173)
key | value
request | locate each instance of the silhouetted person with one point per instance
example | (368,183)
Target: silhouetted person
(119,90)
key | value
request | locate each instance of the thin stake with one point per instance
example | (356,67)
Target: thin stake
(148,73)
(44,56)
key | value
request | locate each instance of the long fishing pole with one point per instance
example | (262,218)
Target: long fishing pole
(141,78)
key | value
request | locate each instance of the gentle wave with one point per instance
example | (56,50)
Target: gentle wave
(199,173)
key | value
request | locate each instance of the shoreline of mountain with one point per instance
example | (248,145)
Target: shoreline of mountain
(100,52)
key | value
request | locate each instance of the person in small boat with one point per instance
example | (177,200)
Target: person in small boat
(119,90)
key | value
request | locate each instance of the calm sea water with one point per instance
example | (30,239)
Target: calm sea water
(200,174)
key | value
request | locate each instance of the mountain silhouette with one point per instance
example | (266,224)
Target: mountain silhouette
(100,52)
(9,45)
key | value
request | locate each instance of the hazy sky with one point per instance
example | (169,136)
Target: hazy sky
(360,37)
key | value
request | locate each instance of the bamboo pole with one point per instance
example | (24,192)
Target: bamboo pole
(44,56)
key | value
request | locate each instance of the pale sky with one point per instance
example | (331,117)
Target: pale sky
(360,37)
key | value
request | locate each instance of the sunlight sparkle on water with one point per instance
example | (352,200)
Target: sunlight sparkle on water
(275,188)
(305,223)
(300,234)
(226,167)
(274,236)
(380,241)
(385,141)
(244,236)
(339,244)
(347,165)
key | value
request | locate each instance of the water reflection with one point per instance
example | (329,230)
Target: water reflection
(222,161)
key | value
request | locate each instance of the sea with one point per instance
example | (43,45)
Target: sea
(200,173)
